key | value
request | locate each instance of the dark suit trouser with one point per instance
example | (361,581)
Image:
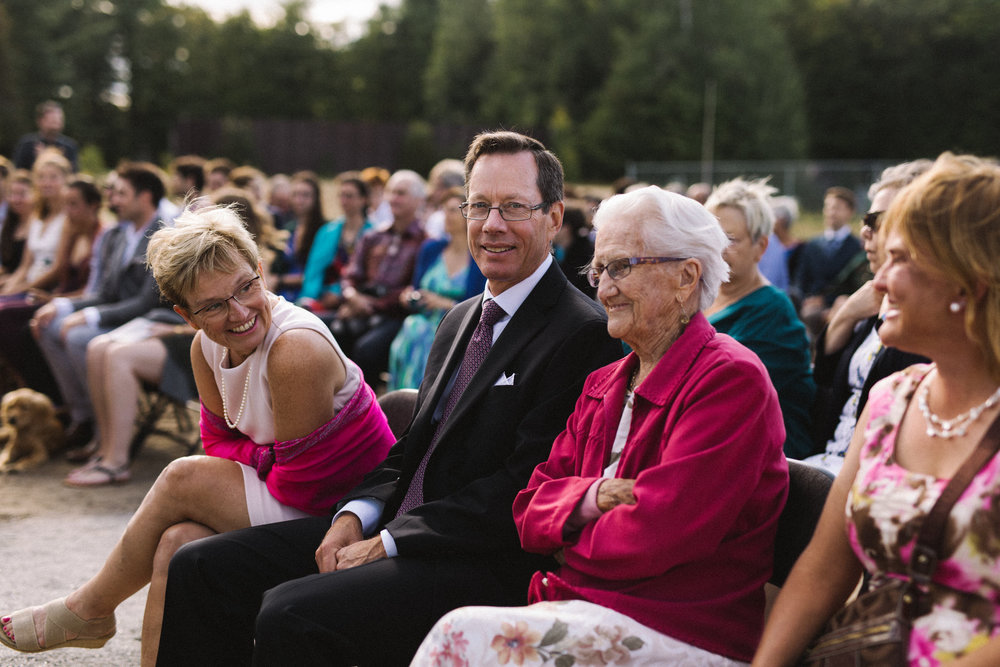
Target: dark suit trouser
(255,596)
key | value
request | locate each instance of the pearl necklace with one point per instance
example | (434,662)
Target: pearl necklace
(952,428)
(243,401)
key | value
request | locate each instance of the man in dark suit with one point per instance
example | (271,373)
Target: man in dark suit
(830,264)
(431,528)
(50,119)
(122,289)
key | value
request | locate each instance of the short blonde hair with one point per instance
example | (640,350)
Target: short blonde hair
(949,219)
(752,199)
(207,240)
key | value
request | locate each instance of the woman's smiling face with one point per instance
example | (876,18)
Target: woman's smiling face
(242,322)
(916,318)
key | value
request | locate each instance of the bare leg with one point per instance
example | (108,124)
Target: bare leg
(114,373)
(97,352)
(126,366)
(173,539)
(202,489)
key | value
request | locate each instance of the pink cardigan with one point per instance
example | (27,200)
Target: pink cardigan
(312,472)
(691,557)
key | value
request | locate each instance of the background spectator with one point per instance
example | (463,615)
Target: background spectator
(445,275)
(38,269)
(332,250)
(574,249)
(759,315)
(14,231)
(123,289)
(50,120)
(850,357)
(381,268)
(379,210)
(308,218)
(828,262)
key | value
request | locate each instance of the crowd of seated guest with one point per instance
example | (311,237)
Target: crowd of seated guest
(82,320)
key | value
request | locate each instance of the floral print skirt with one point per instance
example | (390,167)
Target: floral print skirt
(553,633)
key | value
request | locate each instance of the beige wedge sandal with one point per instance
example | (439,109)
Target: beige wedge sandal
(59,621)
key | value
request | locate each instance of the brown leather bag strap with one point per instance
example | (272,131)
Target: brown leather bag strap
(931,536)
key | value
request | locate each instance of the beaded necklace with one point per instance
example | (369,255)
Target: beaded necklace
(243,401)
(952,428)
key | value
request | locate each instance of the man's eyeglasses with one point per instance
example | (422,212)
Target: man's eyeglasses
(871,220)
(511,211)
(619,268)
(220,308)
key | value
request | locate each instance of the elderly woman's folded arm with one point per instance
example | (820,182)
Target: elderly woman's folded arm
(711,461)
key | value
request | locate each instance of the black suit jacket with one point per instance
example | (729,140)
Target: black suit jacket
(496,435)
(125,287)
(820,274)
(831,374)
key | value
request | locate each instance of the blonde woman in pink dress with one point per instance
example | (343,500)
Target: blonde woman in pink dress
(287,423)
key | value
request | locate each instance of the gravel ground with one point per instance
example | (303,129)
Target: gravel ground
(53,538)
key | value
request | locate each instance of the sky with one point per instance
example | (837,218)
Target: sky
(354,12)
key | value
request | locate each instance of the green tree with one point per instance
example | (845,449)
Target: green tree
(898,78)
(387,64)
(665,55)
(463,44)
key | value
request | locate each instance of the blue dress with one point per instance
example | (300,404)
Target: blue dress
(409,350)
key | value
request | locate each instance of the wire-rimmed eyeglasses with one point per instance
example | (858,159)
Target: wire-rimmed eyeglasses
(619,268)
(221,307)
(511,211)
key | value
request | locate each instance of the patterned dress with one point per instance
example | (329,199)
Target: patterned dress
(885,510)
(409,350)
(554,634)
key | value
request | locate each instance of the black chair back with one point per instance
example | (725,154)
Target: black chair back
(398,406)
(807,491)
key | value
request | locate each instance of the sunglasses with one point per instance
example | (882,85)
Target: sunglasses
(871,220)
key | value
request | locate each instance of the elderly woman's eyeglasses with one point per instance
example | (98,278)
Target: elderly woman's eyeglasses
(217,309)
(619,268)
(511,211)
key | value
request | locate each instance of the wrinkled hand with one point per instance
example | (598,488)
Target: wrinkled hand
(614,492)
(360,553)
(346,530)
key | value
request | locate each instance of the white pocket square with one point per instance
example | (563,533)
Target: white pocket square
(505,380)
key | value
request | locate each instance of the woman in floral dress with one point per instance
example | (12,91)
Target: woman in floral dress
(942,285)
(445,275)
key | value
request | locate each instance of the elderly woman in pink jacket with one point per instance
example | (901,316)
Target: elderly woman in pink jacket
(660,500)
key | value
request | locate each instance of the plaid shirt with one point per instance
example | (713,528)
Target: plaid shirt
(383,265)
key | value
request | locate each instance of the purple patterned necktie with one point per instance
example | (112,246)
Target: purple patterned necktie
(475,353)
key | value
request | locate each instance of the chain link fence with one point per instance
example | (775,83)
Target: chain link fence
(806,180)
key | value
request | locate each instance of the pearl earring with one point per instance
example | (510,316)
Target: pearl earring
(954,306)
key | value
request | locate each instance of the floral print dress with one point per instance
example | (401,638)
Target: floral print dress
(554,634)
(885,510)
